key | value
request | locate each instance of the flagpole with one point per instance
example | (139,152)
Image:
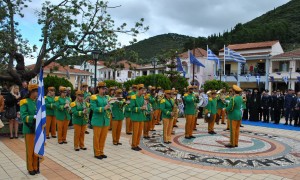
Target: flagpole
(194,65)
(224,60)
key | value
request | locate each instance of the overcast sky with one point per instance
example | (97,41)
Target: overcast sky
(188,17)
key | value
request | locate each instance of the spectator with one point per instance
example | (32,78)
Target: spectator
(125,93)
(1,103)
(24,90)
(12,111)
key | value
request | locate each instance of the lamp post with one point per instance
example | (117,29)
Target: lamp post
(290,81)
(154,64)
(95,54)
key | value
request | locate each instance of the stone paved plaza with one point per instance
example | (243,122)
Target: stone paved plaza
(263,153)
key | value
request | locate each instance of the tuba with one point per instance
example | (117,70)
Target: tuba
(222,95)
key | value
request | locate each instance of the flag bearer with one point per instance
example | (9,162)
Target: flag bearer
(148,114)
(127,114)
(62,114)
(80,112)
(190,101)
(50,117)
(166,106)
(117,117)
(235,116)
(28,115)
(100,119)
(138,109)
(212,111)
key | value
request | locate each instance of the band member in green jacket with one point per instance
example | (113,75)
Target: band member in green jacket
(190,101)
(212,111)
(50,116)
(80,113)
(100,119)
(148,114)
(86,98)
(235,116)
(127,114)
(166,106)
(28,115)
(221,105)
(117,117)
(138,108)
(62,114)
(155,106)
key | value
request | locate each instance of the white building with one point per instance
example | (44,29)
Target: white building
(89,66)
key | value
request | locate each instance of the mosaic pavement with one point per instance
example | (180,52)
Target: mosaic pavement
(256,151)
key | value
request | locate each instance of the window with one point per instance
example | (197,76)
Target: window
(283,66)
(118,74)
(144,73)
(129,74)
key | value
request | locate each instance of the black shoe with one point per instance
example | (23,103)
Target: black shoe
(146,137)
(214,132)
(32,173)
(229,146)
(223,123)
(175,126)
(286,123)
(210,132)
(166,142)
(139,148)
(192,137)
(83,148)
(177,121)
(169,142)
(61,143)
(135,148)
(241,126)
(103,156)
(226,130)
(236,146)
(119,143)
(187,137)
(115,144)
(48,137)
(76,149)
(86,132)
(37,171)
(16,137)
(11,137)
(195,129)
(98,157)
(65,142)
(197,124)
(129,133)
(53,136)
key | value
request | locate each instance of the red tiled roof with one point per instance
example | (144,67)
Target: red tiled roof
(127,64)
(294,53)
(92,62)
(61,69)
(199,52)
(257,45)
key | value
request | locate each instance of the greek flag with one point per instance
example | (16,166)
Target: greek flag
(40,130)
(298,77)
(272,78)
(247,77)
(225,78)
(234,56)
(258,79)
(194,60)
(212,57)
(179,65)
(285,79)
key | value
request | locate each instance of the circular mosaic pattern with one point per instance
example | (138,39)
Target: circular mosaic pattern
(255,150)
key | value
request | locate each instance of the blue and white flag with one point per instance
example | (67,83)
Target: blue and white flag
(258,79)
(40,125)
(179,65)
(194,60)
(225,78)
(212,57)
(234,56)
(285,79)
(247,77)
(298,77)
(272,78)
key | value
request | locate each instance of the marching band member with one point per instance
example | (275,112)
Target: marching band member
(28,115)
(111,94)
(134,90)
(158,117)
(80,112)
(62,114)
(117,118)
(148,114)
(127,114)
(234,116)
(155,106)
(189,111)
(138,108)
(227,99)
(221,105)
(175,100)
(211,109)
(166,106)
(100,119)
(86,97)
(50,117)
(196,110)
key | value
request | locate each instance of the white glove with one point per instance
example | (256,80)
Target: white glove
(223,109)
(208,115)
(34,116)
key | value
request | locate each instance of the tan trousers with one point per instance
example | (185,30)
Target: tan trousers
(195,121)
(62,129)
(128,125)
(31,158)
(221,112)
(158,116)
(50,124)
(189,125)
(228,122)
(168,126)
(234,132)
(137,132)
(79,133)
(100,134)
(146,129)
(211,124)
(116,131)
(110,123)
(154,118)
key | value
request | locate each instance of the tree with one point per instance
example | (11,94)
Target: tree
(215,85)
(161,81)
(70,27)
(112,83)
(56,82)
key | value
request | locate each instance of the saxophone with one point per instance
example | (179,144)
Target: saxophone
(68,106)
(175,109)
(85,108)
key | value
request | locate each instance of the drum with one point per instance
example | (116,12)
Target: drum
(204,97)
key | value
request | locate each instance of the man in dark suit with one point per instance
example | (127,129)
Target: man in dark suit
(255,106)
(289,105)
(265,107)
(297,110)
(277,106)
